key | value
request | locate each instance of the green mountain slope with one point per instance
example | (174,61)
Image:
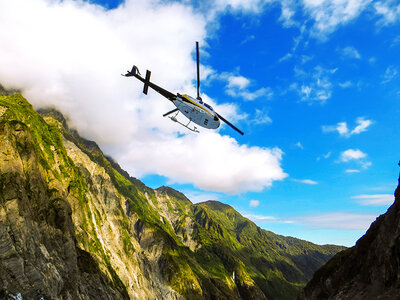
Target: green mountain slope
(82,228)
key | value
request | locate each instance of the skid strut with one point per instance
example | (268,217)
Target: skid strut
(173,118)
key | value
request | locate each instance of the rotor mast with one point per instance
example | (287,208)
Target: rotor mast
(198,70)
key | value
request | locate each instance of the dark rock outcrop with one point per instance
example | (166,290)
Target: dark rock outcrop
(369,270)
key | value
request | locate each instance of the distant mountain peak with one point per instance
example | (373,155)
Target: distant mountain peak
(216,205)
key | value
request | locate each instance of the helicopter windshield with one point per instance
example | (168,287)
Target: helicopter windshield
(208,106)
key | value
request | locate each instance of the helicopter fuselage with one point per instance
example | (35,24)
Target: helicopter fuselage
(197,111)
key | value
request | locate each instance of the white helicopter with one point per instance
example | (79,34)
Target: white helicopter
(195,110)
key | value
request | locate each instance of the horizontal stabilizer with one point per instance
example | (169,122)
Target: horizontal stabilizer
(146,82)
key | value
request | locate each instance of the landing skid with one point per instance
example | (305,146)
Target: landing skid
(173,118)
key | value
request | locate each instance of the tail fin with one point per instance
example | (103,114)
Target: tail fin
(132,72)
(135,70)
(146,82)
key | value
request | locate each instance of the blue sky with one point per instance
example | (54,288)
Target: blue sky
(314,84)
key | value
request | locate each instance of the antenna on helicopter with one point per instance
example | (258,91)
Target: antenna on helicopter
(198,70)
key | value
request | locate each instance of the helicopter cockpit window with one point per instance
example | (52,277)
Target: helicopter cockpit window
(208,106)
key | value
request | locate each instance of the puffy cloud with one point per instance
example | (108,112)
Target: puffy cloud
(356,156)
(328,15)
(69,54)
(238,86)
(375,200)
(361,127)
(288,11)
(352,154)
(254,203)
(343,130)
(389,11)
(208,160)
(237,82)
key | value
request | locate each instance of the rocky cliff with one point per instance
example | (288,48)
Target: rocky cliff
(74,225)
(369,270)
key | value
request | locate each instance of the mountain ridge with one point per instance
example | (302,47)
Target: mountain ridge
(130,240)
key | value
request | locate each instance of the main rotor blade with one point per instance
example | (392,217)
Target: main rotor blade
(198,70)
(229,123)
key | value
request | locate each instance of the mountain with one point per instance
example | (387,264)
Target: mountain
(369,270)
(74,225)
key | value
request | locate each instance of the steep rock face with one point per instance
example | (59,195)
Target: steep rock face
(369,270)
(74,225)
(39,256)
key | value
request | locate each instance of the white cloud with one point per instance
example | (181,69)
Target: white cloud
(261,117)
(260,219)
(254,203)
(197,197)
(355,156)
(213,162)
(237,82)
(238,86)
(288,11)
(299,145)
(343,130)
(331,220)
(306,181)
(337,220)
(249,6)
(69,54)
(326,156)
(375,200)
(328,15)
(287,56)
(350,52)
(361,127)
(316,85)
(345,84)
(352,154)
(391,72)
(248,39)
(389,11)
(306,58)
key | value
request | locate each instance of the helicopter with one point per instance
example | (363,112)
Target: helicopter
(195,109)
